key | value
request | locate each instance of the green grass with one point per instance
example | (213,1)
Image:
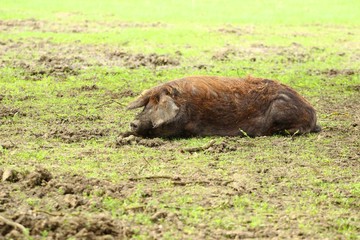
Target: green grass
(204,12)
(268,187)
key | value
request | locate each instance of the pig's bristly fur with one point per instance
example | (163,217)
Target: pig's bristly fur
(205,105)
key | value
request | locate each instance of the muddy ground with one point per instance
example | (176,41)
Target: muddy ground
(45,203)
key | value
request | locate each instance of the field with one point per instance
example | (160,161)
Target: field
(69,68)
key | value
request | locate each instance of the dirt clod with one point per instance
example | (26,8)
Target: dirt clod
(7,145)
(63,60)
(224,54)
(356,88)
(10,175)
(333,72)
(8,111)
(230,29)
(66,189)
(38,177)
(62,194)
(141,60)
(133,140)
(89,87)
(70,135)
(212,147)
(221,148)
(73,201)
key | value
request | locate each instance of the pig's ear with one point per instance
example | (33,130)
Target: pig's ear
(140,101)
(165,111)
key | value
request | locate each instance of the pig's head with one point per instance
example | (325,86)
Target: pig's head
(160,110)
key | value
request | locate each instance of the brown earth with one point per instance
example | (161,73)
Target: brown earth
(6,111)
(63,60)
(67,216)
(32,24)
(230,29)
(75,134)
(73,206)
(290,54)
(334,72)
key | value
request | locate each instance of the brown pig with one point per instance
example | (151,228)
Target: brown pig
(223,106)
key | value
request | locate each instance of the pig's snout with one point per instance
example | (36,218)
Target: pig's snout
(135,125)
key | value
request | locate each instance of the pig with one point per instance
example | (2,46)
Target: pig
(221,106)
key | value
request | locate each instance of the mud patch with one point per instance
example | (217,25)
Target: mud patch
(135,25)
(123,140)
(70,135)
(224,54)
(292,53)
(48,65)
(133,61)
(40,59)
(213,147)
(223,147)
(38,178)
(99,226)
(56,65)
(203,66)
(73,120)
(355,88)
(86,88)
(230,29)
(333,72)
(120,94)
(65,206)
(63,193)
(33,24)
(80,27)
(7,144)
(6,111)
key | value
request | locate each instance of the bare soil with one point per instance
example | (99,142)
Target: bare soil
(72,206)
(64,60)
(6,111)
(67,216)
(32,24)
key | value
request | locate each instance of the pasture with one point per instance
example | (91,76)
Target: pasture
(69,68)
